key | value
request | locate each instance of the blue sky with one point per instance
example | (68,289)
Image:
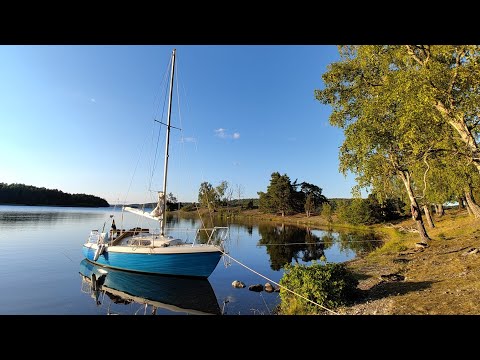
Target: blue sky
(80,119)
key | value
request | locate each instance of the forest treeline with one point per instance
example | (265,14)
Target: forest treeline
(284,197)
(21,194)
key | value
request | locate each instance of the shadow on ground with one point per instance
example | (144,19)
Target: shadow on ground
(385,289)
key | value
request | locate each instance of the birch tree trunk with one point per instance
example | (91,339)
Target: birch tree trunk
(416,213)
(441,211)
(470,213)
(457,121)
(474,208)
(428,216)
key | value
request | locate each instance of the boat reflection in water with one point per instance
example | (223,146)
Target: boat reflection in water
(148,293)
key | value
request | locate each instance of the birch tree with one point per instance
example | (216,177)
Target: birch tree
(384,133)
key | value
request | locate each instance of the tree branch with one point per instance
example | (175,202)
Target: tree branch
(412,54)
(368,82)
(425,175)
(426,52)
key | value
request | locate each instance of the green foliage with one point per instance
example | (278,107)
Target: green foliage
(342,211)
(448,78)
(309,205)
(312,194)
(171,198)
(32,195)
(330,285)
(279,195)
(360,213)
(212,197)
(188,208)
(206,193)
(207,196)
(392,209)
(335,202)
(327,212)
(370,211)
(381,99)
(411,109)
(220,191)
(282,196)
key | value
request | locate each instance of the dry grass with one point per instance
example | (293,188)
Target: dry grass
(441,279)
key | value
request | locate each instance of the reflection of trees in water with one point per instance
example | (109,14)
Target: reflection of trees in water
(359,242)
(298,244)
(302,244)
(32,217)
(328,239)
(314,249)
(172,220)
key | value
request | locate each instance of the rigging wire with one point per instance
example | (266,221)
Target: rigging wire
(155,112)
(265,303)
(182,139)
(155,153)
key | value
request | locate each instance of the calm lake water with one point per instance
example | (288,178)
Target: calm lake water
(43,271)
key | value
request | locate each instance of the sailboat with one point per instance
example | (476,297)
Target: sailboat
(145,251)
(114,288)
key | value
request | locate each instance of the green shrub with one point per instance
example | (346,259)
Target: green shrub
(369,211)
(360,213)
(189,207)
(342,211)
(327,212)
(330,285)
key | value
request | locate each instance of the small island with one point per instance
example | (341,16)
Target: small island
(20,194)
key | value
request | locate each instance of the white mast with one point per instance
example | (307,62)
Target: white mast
(167,141)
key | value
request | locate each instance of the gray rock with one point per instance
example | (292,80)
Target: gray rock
(471,252)
(238,284)
(269,288)
(421,245)
(256,288)
(392,277)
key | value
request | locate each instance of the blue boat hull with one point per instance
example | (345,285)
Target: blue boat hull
(199,264)
(178,293)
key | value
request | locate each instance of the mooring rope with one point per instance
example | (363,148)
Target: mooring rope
(283,287)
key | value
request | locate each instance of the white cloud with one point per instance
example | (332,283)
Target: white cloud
(189,139)
(223,134)
(220,133)
(93,100)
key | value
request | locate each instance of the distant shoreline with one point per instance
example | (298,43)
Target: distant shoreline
(53,205)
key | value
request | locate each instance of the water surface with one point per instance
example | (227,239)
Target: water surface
(42,270)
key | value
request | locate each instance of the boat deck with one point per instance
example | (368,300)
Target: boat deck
(129,238)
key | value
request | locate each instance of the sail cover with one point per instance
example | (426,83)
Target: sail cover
(155,214)
(158,211)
